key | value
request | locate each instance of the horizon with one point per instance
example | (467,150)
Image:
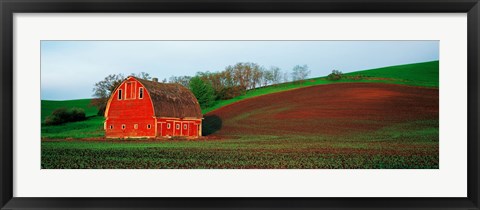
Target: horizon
(81,61)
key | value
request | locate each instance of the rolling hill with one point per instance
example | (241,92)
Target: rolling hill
(48,106)
(424,74)
(418,74)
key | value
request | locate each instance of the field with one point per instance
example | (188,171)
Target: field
(417,74)
(345,125)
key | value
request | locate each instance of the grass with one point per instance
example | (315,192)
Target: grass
(405,145)
(418,74)
(90,128)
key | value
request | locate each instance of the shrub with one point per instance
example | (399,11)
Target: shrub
(77,114)
(335,75)
(63,115)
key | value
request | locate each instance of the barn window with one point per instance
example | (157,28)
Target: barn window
(135,126)
(120,94)
(149,126)
(123,126)
(185,126)
(140,93)
(111,127)
(168,125)
(177,126)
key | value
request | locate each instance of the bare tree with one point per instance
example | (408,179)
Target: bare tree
(142,75)
(182,80)
(285,77)
(276,76)
(103,89)
(300,73)
(257,75)
(267,77)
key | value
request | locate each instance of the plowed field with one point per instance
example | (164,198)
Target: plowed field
(337,109)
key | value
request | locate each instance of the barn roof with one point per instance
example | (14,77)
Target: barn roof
(172,100)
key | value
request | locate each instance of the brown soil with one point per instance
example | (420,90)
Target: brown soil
(328,109)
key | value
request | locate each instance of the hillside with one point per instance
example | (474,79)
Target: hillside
(418,74)
(424,74)
(48,106)
(92,127)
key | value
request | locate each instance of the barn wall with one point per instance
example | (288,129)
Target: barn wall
(186,127)
(131,111)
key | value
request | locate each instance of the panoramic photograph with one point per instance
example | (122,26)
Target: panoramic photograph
(240,104)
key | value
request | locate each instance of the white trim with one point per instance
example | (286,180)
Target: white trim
(119,97)
(126,88)
(134,92)
(140,93)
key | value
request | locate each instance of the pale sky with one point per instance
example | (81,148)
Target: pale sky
(69,69)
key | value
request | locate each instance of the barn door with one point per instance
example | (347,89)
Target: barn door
(160,128)
(185,129)
(177,129)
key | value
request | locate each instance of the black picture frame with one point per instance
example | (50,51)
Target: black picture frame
(9,7)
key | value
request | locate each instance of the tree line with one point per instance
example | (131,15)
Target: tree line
(208,87)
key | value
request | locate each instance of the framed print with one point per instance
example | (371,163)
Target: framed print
(240,104)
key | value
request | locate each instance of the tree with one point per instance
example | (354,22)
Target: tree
(183,80)
(103,89)
(257,75)
(285,77)
(267,77)
(142,75)
(276,74)
(300,73)
(203,91)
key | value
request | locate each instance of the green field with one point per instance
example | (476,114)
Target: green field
(408,145)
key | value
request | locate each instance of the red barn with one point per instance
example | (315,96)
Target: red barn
(147,109)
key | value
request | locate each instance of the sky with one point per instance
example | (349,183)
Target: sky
(69,69)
